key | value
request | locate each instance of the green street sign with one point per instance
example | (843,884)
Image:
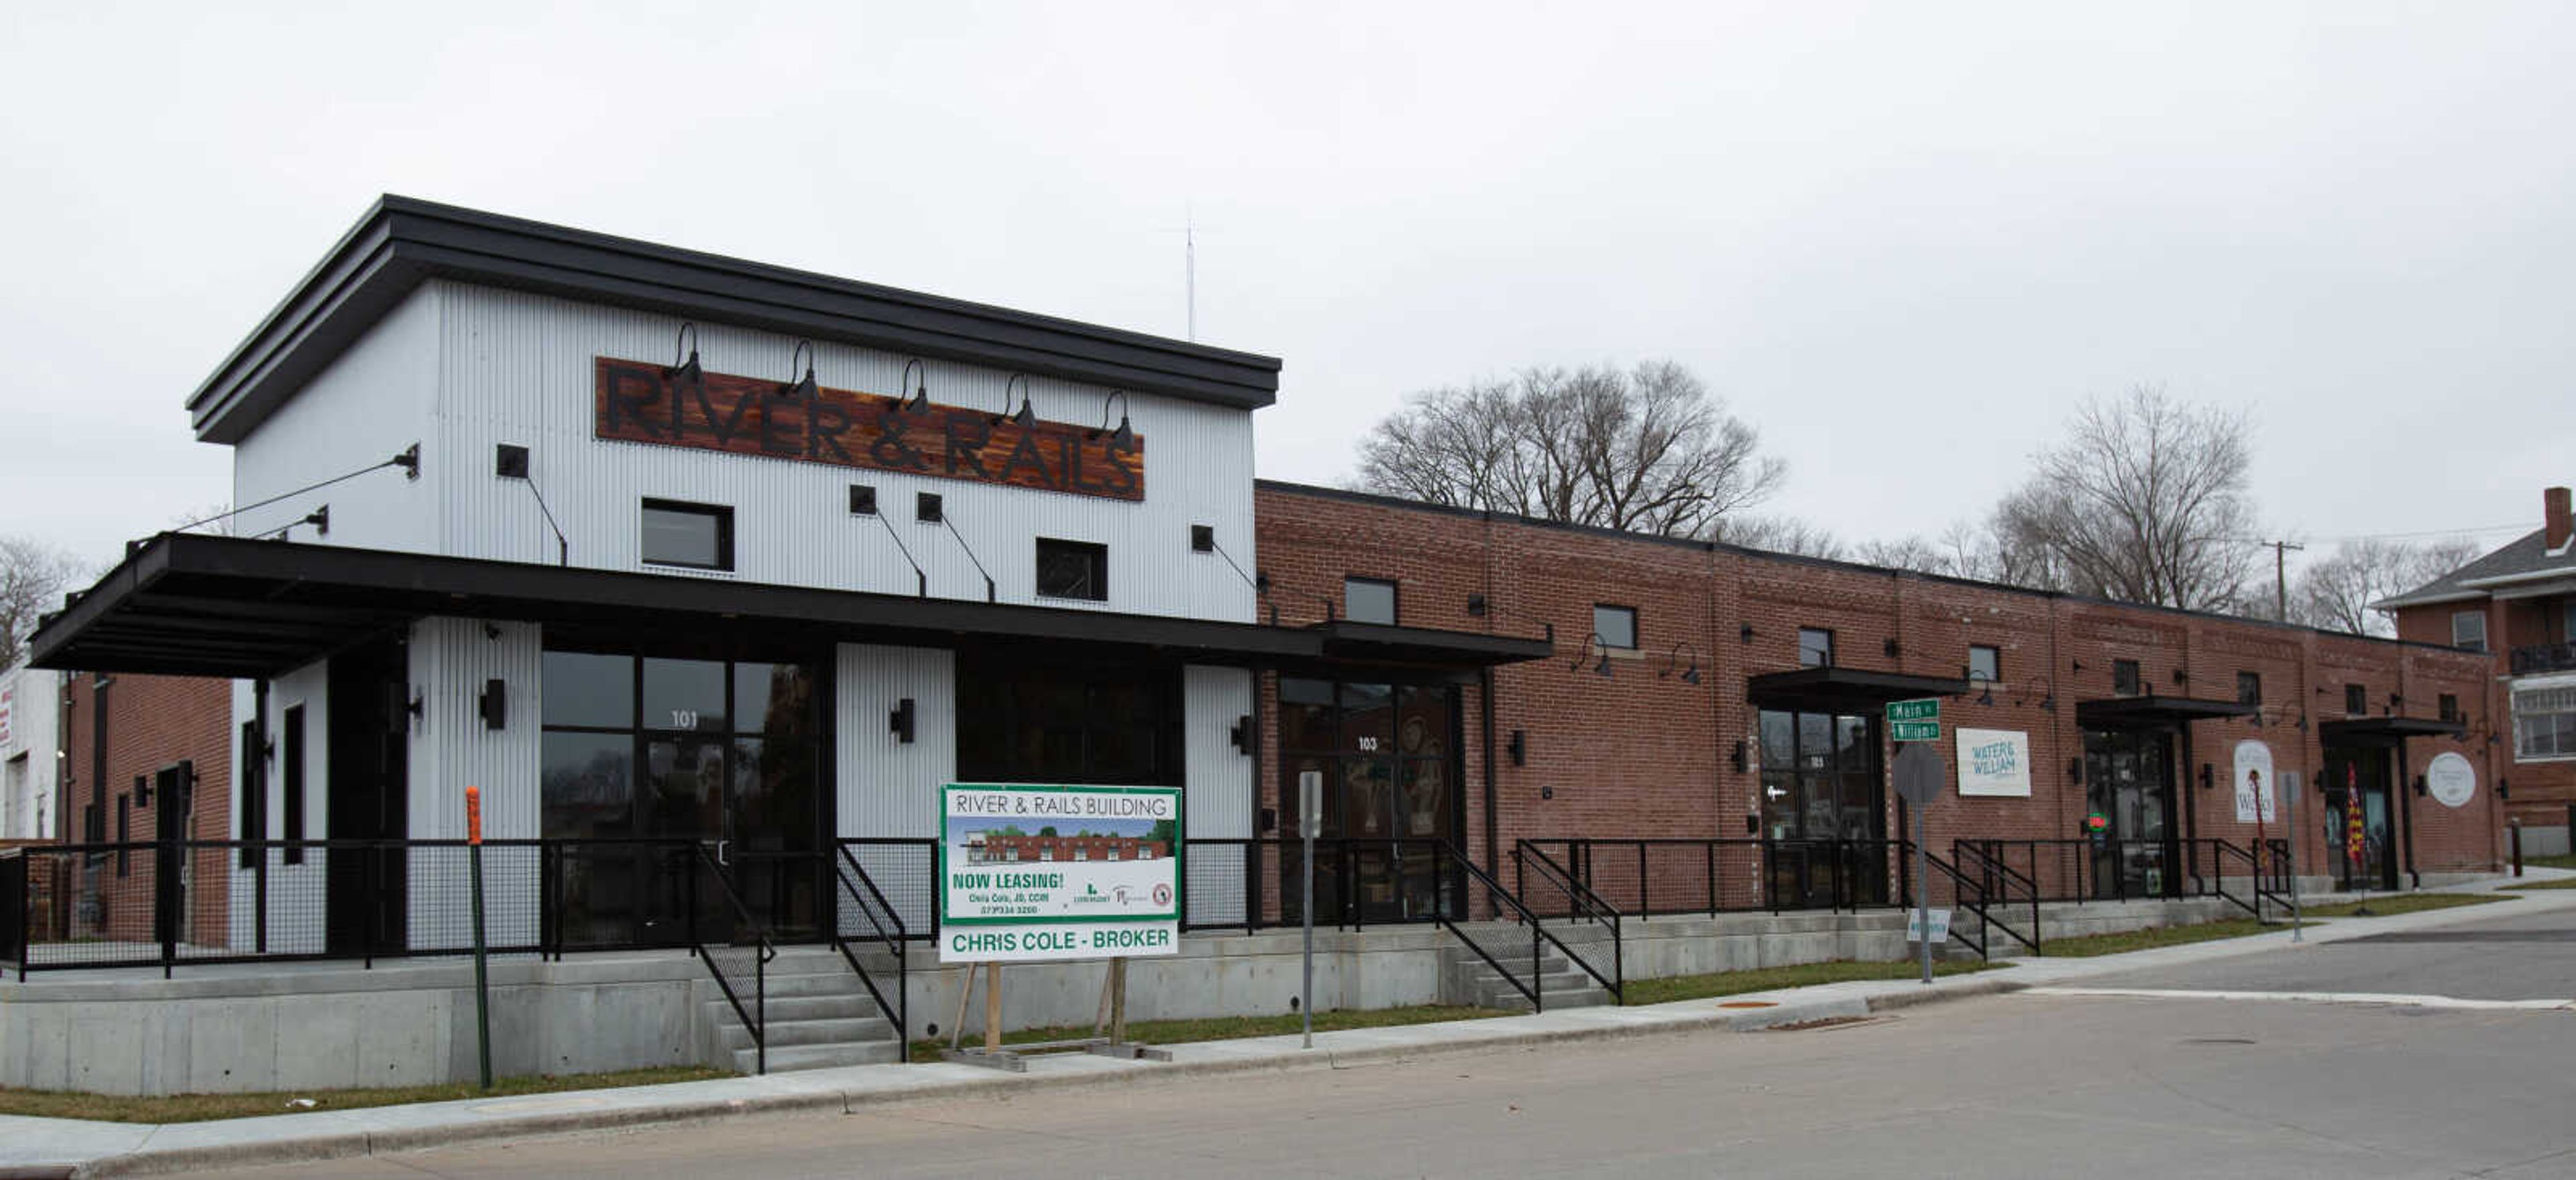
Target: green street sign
(1915,731)
(1926,709)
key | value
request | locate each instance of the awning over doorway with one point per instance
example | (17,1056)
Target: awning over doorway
(2386,731)
(1845,690)
(2134,712)
(183,604)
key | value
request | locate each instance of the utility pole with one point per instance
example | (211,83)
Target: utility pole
(2281,577)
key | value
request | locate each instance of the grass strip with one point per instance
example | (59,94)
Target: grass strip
(2561,883)
(1227,1028)
(2566,861)
(2404,903)
(2089,945)
(1763,979)
(190,1108)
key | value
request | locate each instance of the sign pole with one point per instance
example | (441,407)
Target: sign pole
(1310,791)
(993,1006)
(482,980)
(2297,931)
(1923,891)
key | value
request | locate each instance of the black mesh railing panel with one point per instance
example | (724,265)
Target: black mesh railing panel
(906,873)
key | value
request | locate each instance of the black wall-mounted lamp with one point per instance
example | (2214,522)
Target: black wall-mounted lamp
(926,508)
(1591,645)
(1890,647)
(1740,759)
(1121,439)
(2504,790)
(919,402)
(2208,776)
(800,388)
(2075,665)
(409,461)
(1987,697)
(1202,538)
(684,371)
(510,461)
(2420,787)
(1745,633)
(1673,660)
(2075,771)
(1025,416)
(899,722)
(1518,747)
(2181,677)
(320,519)
(1241,734)
(1476,605)
(494,704)
(863,500)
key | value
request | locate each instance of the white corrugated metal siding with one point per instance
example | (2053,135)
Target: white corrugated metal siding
(1218,799)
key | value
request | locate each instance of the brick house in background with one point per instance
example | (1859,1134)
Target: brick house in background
(2517,605)
(999,849)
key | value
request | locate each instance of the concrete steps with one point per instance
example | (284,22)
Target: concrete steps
(1466,978)
(819,1016)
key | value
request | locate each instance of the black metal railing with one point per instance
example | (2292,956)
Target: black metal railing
(1587,926)
(1256,883)
(868,920)
(2533,658)
(13,908)
(2248,869)
(2082,869)
(2002,889)
(734,946)
(1663,876)
(906,871)
(1502,932)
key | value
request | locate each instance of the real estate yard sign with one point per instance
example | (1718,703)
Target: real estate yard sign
(1058,872)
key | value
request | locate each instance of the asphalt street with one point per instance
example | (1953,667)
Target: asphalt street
(2005,1086)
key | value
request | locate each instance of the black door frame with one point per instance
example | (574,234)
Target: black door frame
(1862,866)
(2172,793)
(2388,759)
(1453,763)
(366,756)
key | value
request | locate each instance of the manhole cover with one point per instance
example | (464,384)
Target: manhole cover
(1748,1004)
(1827,1022)
(2218,1040)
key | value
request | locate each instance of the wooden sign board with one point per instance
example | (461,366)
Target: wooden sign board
(635,402)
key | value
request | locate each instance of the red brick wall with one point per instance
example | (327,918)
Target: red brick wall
(2542,791)
(151,722)
(1642,754)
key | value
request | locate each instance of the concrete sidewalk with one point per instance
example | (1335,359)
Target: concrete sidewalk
(63,1147)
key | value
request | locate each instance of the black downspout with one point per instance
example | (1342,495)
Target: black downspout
(2190,788)
(1493,823)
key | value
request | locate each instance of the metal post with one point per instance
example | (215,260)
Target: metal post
(2513,829)
(1923,897)
(1310,788)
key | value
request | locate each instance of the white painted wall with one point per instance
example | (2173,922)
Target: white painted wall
(364,408)
(30,774)
(1217,801)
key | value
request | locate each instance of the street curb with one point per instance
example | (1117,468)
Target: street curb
(350,1144)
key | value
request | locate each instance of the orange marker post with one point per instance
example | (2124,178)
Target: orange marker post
(482,982)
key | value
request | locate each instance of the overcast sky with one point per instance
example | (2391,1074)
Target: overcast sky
(1900,240)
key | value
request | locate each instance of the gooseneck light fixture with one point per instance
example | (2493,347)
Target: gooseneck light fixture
(1025,416)
(1592,645)
(919,402)
(1673,660)
(1123,438)
(684,370)
(800,388)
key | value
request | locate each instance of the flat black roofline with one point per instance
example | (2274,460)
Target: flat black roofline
(401,242)
(1382,500)
(192,605)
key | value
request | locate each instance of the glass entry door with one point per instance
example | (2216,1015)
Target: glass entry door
(2358,777)
(2128,777)
(641,755)
(1391,792)
(1821,791)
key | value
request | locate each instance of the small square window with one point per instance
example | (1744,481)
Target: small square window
(2249,688)
(1369,600)
(2450,707)
(694,536)
(1815,647)
(1073,569)
(1616,625)
(1145,852)
(2469,630)
(1985,663)
(2126,679)
(2356,699)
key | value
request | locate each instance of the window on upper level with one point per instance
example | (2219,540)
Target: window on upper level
(2126,680)
(1815,647)
(1368,600)
(2249,688)
(691,536)
(2544,722)
(1616,625)
(1072,569)
(2356,700)
(1985,662)
(2469,630)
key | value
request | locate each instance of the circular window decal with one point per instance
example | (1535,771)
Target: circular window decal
(2451,780)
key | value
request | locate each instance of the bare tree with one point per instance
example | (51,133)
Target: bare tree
(2143,501)
(2335,592)
(33,576)
(1781,534)
(1645,450)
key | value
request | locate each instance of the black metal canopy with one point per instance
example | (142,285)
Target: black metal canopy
(183,604)
(1845,689)
(2136,712)
(2386,731)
